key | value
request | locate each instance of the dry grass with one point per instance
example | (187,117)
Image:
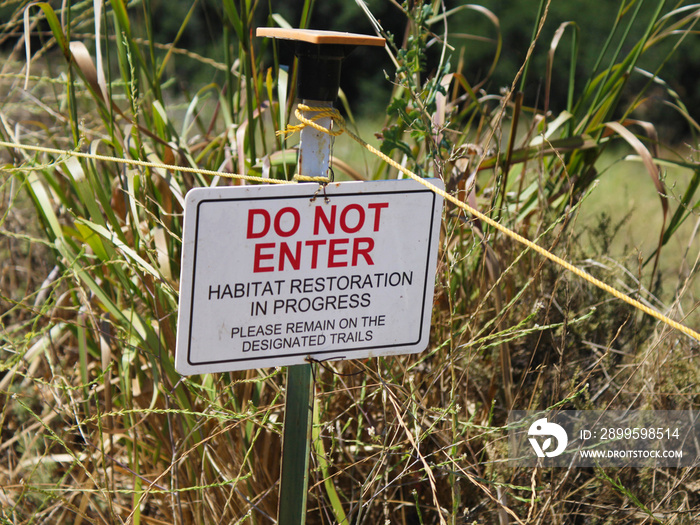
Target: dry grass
(97,427)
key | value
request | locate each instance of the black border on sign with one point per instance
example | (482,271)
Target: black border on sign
(263,358)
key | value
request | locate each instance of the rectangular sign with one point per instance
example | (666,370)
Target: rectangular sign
(273,275)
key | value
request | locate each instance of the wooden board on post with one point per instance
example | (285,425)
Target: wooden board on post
(313,36)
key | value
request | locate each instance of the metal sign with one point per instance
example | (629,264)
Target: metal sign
(273,275)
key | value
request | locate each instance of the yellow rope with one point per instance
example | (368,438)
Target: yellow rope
(160,165)
(320,112)
(510,233)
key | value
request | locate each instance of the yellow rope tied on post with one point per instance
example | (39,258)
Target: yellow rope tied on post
(338,119)
(319,113)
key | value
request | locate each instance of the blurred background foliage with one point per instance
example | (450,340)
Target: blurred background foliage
(472,34)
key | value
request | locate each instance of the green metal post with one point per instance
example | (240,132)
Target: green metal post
(296,446)
(320,55)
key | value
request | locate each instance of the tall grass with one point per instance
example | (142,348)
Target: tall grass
(97,427)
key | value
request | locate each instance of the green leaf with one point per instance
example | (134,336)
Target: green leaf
(391,140)
(232,13)
(56,30)
(44,204)
(126,250)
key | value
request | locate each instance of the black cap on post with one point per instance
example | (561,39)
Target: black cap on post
(320,55)
(318,77)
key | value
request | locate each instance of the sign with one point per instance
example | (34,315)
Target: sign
(273,275)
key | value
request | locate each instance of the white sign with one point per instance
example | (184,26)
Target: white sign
(273,275)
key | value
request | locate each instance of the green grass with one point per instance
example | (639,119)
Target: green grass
(626,207)
(96,426)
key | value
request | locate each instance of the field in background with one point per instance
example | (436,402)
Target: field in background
(622,218)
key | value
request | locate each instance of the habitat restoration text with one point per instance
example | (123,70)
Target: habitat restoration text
(346,295)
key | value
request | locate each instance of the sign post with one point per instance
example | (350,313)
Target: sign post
(318,80)
(277,275)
